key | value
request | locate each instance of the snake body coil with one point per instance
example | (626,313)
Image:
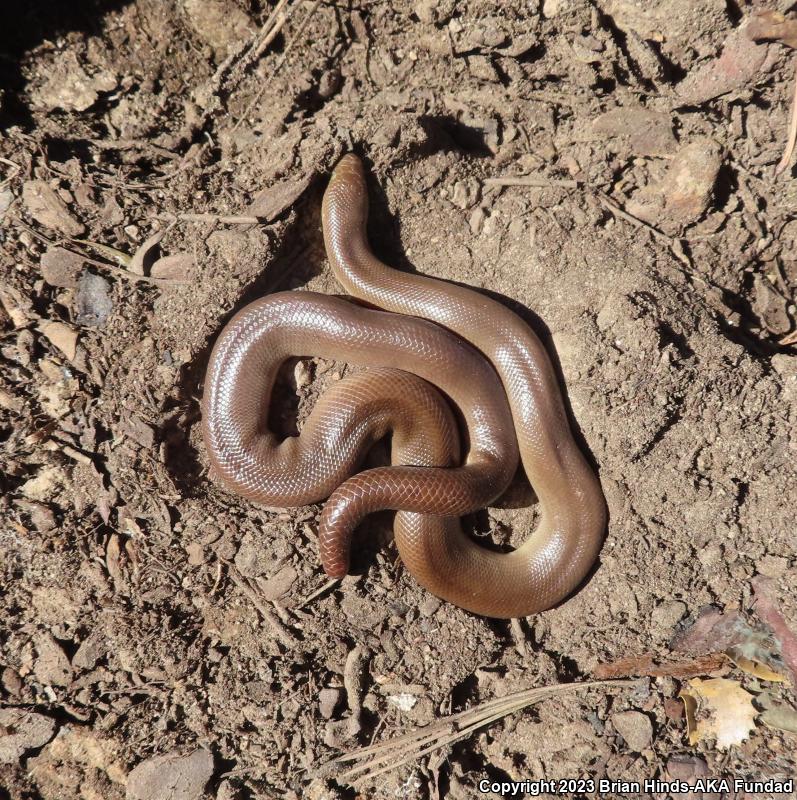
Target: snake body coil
(475,346)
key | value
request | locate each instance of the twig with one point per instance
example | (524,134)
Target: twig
(530,180)
(271,28)
(224,220)
(396,752)
(792,140)
(788,339)
(318,592)
(673,242)
(299,30)
(114,270)
(16,170)
(645,665)
(282,633)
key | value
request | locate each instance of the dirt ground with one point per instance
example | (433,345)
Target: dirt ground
(161,638)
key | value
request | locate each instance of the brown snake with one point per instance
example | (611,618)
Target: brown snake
(426,339)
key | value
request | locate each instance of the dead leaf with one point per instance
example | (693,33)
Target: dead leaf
(785,638)
(777,715)
(739,63)
(144,253)
(177,267)
(270,203)
(752,667)
(718,709)
(48,209)
(113,553)
(751,647)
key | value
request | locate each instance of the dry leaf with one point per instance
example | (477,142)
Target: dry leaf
(776,715)
(738,64)
(753,667)
(177,267)
(271,202)
(113,553)
(48,209)
(785,638)
(144,252)
(719,709)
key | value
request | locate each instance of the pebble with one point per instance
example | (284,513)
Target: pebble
(301,374)
(48,209)
(61,268)
(22,730)
(220,23)
(51,666)
(328,700)
(666,616)
(686,190)
(772,566)
(171,777)
(635,728)
(61,336)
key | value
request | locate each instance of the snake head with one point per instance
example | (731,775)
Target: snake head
(346,197)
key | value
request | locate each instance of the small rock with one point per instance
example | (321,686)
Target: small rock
(171,777)
(772,566)
(176,267)
(476,220)
(40,515)
(63,337)
(195,553)
(6,199)
(70,87)
(91,650)
(135,428)
(337,734)
(635,728)
(481,67)
(93,301)
(22,730)
(111,213)
(11,681)
(61,268)
(301,374)
(48,209)
(465,194)
(403,701)
(51,667)
(685,192)
(43,485)
(666,616)
(429,606)
(683,768)
(220,23)
(328,700)
(278,585)
(770,306)
(426,10)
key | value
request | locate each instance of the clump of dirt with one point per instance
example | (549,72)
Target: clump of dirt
(604,166)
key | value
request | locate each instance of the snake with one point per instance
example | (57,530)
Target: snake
(438,358)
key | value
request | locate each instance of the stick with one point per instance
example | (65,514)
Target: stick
(792,140)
